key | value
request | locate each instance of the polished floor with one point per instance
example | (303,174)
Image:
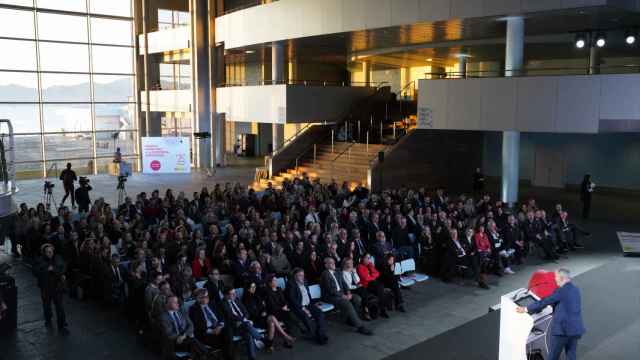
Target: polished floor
(433,308)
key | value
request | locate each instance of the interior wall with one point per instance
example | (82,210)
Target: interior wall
(613,160)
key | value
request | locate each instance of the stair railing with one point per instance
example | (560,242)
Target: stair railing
(347,150)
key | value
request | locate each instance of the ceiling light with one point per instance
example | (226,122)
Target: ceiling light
(601,41)
(429,59)
(580,41)
(630,38)
(249,51)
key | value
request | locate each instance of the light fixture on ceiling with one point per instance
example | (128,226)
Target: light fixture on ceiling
(581,41)
(429,60)
(630,37)
(249,51)
(601,40)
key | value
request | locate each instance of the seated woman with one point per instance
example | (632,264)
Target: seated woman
(255,303)
(369,279)
(313,268)
(278,311)
(484,249)
(391,281)
(201,265)
(279,261)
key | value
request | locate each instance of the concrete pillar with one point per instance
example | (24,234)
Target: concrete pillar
(277,75)
(221,136)
(200,69)
(462,66)
(292,73)
(594,60)
(366,73)
(514,58)
(511,139)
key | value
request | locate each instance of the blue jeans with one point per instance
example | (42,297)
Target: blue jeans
(567,343)
(250,334)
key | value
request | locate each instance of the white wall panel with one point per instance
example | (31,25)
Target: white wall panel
(464,109)
(432,10)
(466,8)
(406,12)
(501,7)
(566,104)
(498,104)
(578,104)
(536,104)
(353,15)
(378,13)
(620,97)
(290,19)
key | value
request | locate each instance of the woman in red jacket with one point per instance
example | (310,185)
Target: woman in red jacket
(201,265)
(369,280)
(484,249)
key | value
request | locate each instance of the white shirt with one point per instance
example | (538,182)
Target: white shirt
(351,278)
(305,296)
(335,280)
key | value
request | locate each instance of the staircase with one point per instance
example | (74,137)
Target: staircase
(345,162)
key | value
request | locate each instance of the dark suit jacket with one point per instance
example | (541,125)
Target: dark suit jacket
(215,289)
(168,325)
(196,315)
(229,317)
(328,286)
(567,310)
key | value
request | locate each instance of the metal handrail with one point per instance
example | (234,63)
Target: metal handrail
(411,85)
(533,72)
(293,137)
(333,162)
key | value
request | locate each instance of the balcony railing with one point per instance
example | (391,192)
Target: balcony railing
(546,71)
(246,5)
(305,83)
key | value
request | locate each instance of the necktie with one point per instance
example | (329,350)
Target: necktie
(235,309)
(176,318)
(116,272)
(211,317)
(353,279)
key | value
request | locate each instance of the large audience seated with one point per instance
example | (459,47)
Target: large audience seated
(229,268)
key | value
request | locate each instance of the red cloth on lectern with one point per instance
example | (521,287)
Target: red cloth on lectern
(543,283)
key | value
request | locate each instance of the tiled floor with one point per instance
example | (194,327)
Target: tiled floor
(433,307)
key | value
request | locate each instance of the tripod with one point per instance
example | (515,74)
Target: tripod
(122,192)
(48,197)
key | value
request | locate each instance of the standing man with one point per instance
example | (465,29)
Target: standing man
(478,182)
(567,326)
(82,195)
(50,270)
(68,177)
(586,190)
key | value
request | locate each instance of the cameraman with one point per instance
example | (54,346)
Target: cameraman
(68,177)
(82,195)
(49,270)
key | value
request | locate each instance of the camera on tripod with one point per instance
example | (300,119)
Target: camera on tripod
(48,186)
(121,180)
(83,180)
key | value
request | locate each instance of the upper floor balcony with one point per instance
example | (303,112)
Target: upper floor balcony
(293,19)
(167,40)
(533,102)
(289,102)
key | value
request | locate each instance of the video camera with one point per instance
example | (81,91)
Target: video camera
(83,180)
(48,186)
(121,180)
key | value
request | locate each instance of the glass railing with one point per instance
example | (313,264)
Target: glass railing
(542,71)
(246,4)
(305,83)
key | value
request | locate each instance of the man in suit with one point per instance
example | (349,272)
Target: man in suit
(237,317)
(567,326)
(215,288)
(208,324)
(178,329)
(50,270)
(241,268)
(304,307)
(336,292)
(116,278)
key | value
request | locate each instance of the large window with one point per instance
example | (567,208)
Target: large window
(67,83)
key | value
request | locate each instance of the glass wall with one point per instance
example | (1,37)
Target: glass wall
(67,83)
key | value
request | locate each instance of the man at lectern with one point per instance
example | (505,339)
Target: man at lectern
(567,326)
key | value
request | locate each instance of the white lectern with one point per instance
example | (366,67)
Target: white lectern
(517,331)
